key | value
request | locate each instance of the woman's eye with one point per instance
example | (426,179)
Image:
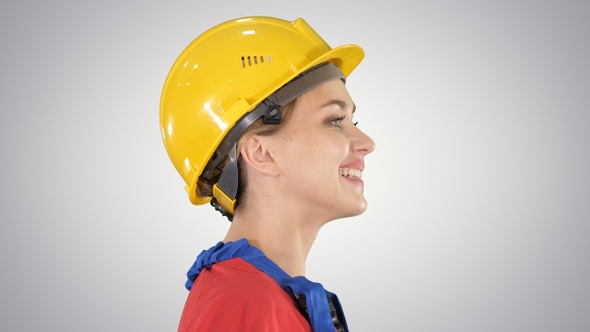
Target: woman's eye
(337,121)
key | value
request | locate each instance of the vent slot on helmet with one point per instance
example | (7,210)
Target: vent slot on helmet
(253,60)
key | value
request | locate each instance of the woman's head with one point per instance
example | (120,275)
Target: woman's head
(225,80)
(311,165)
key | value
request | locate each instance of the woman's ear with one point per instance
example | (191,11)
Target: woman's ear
(256,152)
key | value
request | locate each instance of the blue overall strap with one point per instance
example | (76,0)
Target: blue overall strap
(220,252)
(338,308)
(316,296)
(316,302)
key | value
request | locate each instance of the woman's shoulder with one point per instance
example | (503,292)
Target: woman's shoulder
(237,275)
(235,293)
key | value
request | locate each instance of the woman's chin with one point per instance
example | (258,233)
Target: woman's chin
(356,209)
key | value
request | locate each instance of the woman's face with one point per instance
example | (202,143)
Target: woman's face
(321,154)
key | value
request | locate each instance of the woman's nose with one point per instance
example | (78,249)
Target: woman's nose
(363,143)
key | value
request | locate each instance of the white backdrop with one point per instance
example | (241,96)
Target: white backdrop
(478,191)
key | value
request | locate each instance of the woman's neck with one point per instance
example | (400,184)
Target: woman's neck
(283,238)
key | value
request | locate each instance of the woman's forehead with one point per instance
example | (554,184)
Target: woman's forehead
(330,93)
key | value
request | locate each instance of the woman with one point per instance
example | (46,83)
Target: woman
(256,118)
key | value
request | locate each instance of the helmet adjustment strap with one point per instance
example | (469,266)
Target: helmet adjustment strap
(226,189)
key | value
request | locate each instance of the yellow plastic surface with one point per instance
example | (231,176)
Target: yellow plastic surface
(224,73)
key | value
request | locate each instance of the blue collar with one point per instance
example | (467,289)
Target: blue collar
(316,297)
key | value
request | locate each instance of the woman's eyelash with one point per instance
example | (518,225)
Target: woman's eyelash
(337,120)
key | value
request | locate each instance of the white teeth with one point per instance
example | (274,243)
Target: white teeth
(351,173)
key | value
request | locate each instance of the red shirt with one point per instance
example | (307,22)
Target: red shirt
(233,295)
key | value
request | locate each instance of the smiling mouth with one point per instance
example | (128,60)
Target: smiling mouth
(351,173)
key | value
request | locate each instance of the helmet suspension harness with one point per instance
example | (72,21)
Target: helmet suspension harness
(226,189)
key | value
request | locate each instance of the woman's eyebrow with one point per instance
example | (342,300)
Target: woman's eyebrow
(340,103)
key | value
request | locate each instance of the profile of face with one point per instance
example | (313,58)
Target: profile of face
(320,152)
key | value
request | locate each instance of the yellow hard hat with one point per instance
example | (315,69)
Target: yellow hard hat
(226,73)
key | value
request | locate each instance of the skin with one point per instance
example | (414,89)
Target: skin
(294,181)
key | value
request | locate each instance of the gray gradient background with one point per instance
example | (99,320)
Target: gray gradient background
(478,191)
